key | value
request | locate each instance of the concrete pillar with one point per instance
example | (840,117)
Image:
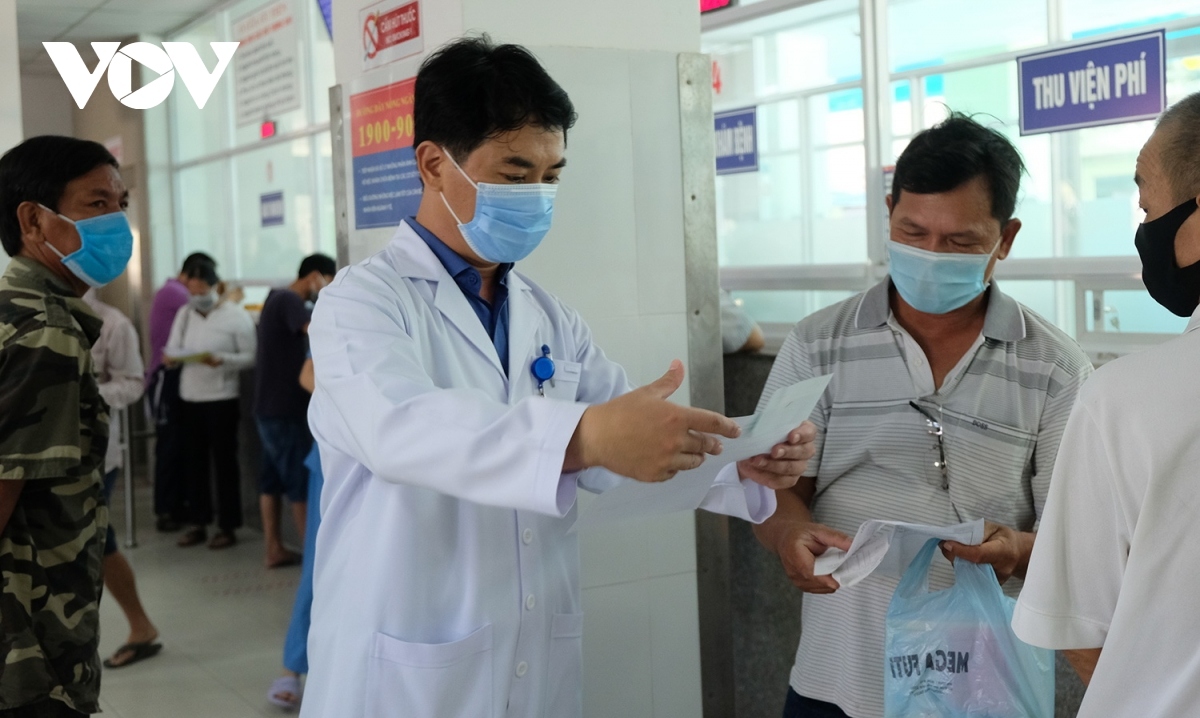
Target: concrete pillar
(11,132)
(634,250)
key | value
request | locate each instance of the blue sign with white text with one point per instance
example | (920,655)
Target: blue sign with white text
(737,141)
(387,188)
(270,209)
(1100,83)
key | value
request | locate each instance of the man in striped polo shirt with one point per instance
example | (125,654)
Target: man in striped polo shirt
(947,404)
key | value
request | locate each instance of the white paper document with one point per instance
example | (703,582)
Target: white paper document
(889,547)
(786,409)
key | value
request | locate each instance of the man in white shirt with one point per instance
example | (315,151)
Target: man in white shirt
(1112,575)
(118,361)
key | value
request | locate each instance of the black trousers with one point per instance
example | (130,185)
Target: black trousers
(169,481)
(211,442)
(798,706)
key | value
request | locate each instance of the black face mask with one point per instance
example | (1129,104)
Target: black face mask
(1176,288)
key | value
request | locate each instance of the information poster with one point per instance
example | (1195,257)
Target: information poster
(387,187)
(1099,83)
(266,67)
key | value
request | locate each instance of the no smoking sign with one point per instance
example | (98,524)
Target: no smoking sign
(391,30)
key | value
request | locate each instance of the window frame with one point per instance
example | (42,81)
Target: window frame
(310,132)
(1094,274)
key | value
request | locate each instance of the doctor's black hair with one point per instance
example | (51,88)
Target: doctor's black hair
(956,151)
(38,170)
(472,90)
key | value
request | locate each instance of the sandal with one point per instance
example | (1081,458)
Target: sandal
(193,536)
(137,651)
(281,685)
(223,539)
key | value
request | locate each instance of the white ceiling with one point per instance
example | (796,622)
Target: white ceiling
(83,21)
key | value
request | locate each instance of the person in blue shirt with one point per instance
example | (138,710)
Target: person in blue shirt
(285,690)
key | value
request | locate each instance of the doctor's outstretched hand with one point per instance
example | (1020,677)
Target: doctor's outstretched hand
(645,437)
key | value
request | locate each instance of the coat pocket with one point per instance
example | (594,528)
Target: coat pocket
(430,680)
(564,689)
(565,384)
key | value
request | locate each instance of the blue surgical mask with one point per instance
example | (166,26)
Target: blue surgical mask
(937,282)
(510,219)
(106,244)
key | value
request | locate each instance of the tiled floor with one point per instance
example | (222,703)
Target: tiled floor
(221,618)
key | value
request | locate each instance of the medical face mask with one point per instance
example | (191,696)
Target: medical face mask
(937,282)
(1176,288)
(203,302)
(106,244)
(510,219)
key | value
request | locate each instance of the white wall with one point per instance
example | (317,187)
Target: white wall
(10,86)
(46,105)
(10,72)
(616,254)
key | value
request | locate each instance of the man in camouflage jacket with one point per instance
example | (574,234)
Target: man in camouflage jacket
(53,431)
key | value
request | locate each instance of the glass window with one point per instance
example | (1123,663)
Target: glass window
(1083,18)
(787,307)
(923,33)
(1132,310)
(292,46)
(806,47)
(902,108)
(1053,300)
(274,251)
(203,217)
(327,219)
(989,90)
(836,118)
(839,206)
(779,127)
(320,64)
(196,132)
(1099,198)
(299,168)
(759,217)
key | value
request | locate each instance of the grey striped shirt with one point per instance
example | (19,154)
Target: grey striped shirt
(1003,409)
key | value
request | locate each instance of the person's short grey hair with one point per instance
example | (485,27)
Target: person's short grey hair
(1181,147)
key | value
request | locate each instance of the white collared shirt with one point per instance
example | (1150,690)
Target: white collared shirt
(227,331)
(118,361)
(1114,565)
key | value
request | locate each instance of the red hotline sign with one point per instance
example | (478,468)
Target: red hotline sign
(382,119)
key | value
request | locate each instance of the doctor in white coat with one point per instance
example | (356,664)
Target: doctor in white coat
(446,582)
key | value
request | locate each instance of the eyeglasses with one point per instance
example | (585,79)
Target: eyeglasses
(935,429)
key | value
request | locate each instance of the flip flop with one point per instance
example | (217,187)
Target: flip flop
(285,684)
(141,651)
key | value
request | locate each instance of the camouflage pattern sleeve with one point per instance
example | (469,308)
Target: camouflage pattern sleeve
(53,434)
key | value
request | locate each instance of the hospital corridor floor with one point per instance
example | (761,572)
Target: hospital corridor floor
(221,618)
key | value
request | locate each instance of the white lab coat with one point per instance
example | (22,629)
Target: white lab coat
(446,582)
